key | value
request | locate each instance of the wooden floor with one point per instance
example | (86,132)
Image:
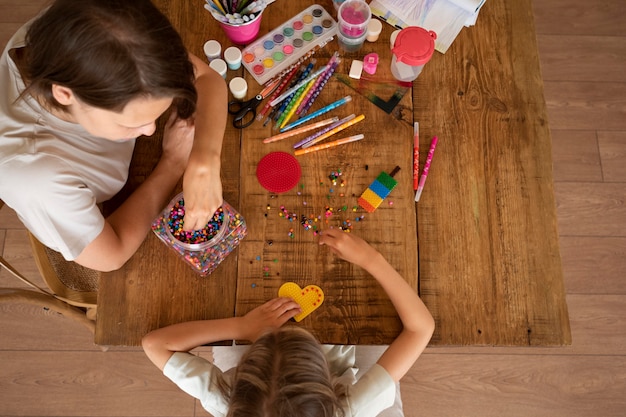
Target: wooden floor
(51,368)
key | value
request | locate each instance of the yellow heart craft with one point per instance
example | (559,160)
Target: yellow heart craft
(309,297)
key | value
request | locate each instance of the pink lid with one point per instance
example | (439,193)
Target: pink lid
(414,45)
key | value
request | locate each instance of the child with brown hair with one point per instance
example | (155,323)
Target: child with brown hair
(286,372)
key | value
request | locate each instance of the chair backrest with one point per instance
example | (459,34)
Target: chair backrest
(68,281)
(22,296)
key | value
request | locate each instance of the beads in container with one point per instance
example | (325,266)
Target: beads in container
(206,248)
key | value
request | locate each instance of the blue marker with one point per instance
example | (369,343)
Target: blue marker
(316,113)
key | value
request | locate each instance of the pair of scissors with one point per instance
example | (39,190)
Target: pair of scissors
(245,111)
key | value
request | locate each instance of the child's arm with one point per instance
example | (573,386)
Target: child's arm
(161,344)
(418,324)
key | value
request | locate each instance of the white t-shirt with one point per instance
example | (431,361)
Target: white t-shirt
(368,396)
(52,172)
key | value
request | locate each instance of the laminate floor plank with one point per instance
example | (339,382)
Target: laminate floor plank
(591,209)
(575,105)
(575,156)
(579,17)
(516,386)
(17,252)
(612,147)
(583,59)
(594,265)
(87,384)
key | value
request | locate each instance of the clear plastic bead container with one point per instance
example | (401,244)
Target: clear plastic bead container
(202,249)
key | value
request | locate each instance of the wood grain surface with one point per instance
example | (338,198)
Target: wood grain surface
(277,250)
(490,268)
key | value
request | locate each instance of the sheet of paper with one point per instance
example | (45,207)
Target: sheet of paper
(445,17)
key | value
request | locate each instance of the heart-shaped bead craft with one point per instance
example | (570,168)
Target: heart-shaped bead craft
(309,297)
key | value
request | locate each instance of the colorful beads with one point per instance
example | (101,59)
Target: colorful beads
(175,224)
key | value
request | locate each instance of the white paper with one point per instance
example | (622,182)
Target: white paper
(445,17)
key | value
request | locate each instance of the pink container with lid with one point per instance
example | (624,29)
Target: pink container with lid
(353,17)
(413,48)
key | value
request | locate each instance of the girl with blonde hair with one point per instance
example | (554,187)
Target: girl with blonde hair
(286,372)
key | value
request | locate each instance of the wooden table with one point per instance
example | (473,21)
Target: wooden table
(489,267)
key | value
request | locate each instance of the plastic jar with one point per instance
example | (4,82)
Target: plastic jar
(202,249)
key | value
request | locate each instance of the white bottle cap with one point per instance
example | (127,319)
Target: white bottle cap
(220,66)
(374,27)
(212,49)
(232,56)
(239,87)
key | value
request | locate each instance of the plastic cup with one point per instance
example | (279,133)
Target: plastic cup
(413,48)
(373,30)
(244,33)
(354,17)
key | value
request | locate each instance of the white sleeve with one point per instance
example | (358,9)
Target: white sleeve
(373,392)
(197,377)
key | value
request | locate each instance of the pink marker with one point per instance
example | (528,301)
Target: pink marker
(429,158)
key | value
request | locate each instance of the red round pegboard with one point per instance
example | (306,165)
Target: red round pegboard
(278,172)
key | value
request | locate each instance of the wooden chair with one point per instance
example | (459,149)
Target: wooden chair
(45,301)
(70,284)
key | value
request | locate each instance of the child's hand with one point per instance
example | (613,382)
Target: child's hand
(269,316)
(348,246)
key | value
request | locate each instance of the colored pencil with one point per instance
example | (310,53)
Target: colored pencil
(416,154)
(335,130)
(291,109)
(302,129)
(323,131)
(429,159)
(316,113)
(295,88)
(329,144)
(321,80)
(283,84)
(289,96)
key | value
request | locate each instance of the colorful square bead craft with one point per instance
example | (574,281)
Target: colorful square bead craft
(378,190)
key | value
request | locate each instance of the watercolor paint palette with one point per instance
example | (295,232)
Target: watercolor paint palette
(289,43)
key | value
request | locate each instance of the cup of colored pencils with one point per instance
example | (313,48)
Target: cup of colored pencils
(241,20)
